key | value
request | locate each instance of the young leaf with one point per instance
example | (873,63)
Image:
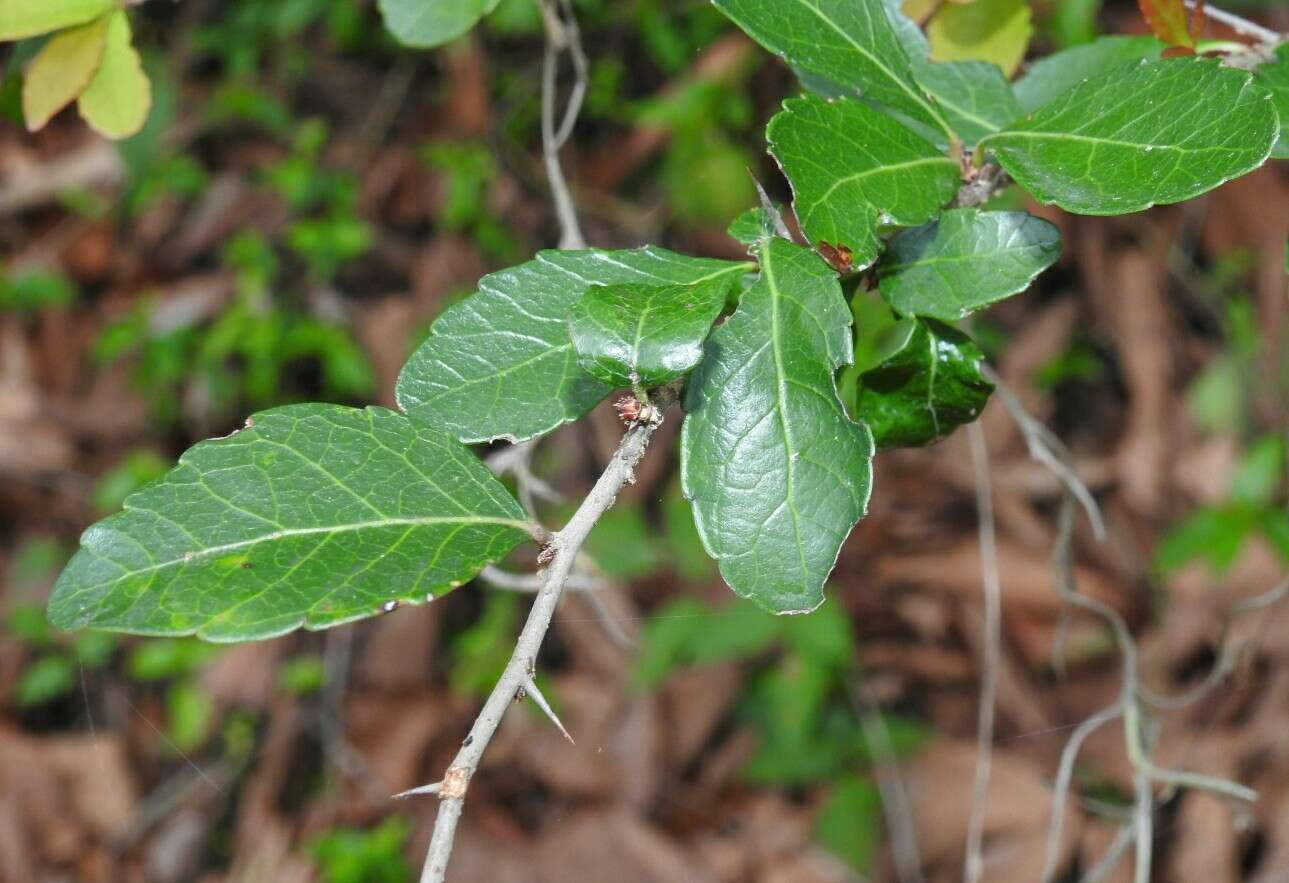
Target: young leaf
(427,23)
(1168,21)
(777,473)
(313,515)
(644,336)
(751,226)
(852,168)
(930,386)
(61,71)
(500,364)
(29,18)
(1275,77)
(848,42)
(996,31)
(974,95)
(1155,133)
(965,260)
(117,100)
(1051,76)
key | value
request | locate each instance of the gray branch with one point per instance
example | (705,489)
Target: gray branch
(562,36)
(563,549)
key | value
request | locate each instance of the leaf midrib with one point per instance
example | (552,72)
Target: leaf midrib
(896,167)
(284,533)
(1096,139)
(859,47)
(782,395)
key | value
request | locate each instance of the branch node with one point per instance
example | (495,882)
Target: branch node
(455,782)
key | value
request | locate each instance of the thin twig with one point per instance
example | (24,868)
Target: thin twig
(974,865)
(517,460)
(896,806)
(561,36)
(564,547)
(1239,24)
(1114,853)
(1048,450)
(531,583)
(1064,776)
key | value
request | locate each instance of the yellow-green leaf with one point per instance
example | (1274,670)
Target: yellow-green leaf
(986,30)
(117,100)
(62,70)
(28,18)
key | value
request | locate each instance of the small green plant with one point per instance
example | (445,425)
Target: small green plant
(797,702)
(315,515)
(350,855)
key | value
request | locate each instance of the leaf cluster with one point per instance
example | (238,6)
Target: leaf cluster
(315,515)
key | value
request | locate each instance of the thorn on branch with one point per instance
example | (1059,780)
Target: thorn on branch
(417,792)
(529,687)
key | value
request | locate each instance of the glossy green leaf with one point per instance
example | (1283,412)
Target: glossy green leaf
(117,100)
(28,18)
(777,473)
(1158,132)
(426,23)
(852,43)
(929,387)
(965,260)
(976,98)
(751,226)
(1058,73)
(853,168)
(61,71)
(644,336)
(996,31)
(313,515)
(1274,76)
(500,364)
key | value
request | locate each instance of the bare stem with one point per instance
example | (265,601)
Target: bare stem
(562,36)
(564,547)
(974,865)
(1239,24)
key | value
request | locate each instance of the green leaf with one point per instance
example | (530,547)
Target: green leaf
(117,100)
(426,23)
(313,515)
(1275,77)
(47,678)
(965,260)
(61,71)
(1215,534)
(852,43)
(997,31)
(928,388)
(644,336)
(29,18)
(777,473)
(1260,476)
(500,364)
(1156,133)
(974,95)
(852,168)
(1058,73)
(751,226)
(849,822)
